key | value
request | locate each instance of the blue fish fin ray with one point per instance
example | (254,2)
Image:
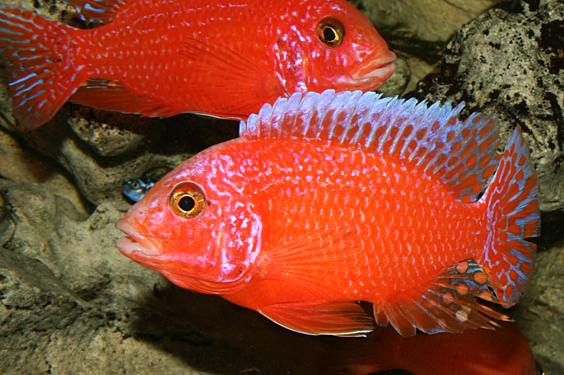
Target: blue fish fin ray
(460,154)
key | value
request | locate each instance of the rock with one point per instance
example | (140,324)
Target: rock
(21,164)
(102,150)
(7,225)
(70,303)
(79,252)
(540,314)
(111,133)
(510,65)
(429,20)
(32,300)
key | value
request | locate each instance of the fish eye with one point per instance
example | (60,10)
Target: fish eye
(187,201)
(331,32)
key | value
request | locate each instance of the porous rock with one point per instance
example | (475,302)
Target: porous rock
(510,64)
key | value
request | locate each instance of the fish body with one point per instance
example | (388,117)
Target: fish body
(137,188)
(504,351)
(329,199)
(160,58)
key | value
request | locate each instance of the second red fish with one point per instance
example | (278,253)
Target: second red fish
(330,199)
(504,351)
(160,58)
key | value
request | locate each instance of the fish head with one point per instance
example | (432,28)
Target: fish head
(340,49)
(136,189)
(196,227)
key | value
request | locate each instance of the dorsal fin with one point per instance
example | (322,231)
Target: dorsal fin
(97,11)
(460,154)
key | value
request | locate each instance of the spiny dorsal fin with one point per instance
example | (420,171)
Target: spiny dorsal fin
(461,154)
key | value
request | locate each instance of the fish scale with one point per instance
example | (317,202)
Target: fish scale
(385,212)
(333,198)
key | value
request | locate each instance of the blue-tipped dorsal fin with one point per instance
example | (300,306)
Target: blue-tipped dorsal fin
(461,154)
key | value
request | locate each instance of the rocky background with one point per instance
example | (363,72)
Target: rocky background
(70,303)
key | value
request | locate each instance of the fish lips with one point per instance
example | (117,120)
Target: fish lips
(377,70)
(136,245)
(150,252)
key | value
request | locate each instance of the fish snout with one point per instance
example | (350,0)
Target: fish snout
(377,69)
(136,242)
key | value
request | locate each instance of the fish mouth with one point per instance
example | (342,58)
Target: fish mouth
(135,242)
(378,69)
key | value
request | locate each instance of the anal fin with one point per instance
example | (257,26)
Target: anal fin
(344,318)
(112,95)
(446,304)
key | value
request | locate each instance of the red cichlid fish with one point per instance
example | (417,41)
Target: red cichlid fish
(503,351)
(329,199)
(161,58)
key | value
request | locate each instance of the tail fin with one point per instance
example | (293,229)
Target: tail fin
(39,56)
(513,215)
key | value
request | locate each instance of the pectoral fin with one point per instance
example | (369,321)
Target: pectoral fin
(232,74)
(314,260)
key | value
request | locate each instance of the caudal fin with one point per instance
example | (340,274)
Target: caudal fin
(513,215)
(39,56)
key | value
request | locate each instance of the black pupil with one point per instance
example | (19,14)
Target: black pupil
(187,203)
(329,34)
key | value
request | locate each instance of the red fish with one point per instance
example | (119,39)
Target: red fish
(329,199)
(503,351)
(161,58)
